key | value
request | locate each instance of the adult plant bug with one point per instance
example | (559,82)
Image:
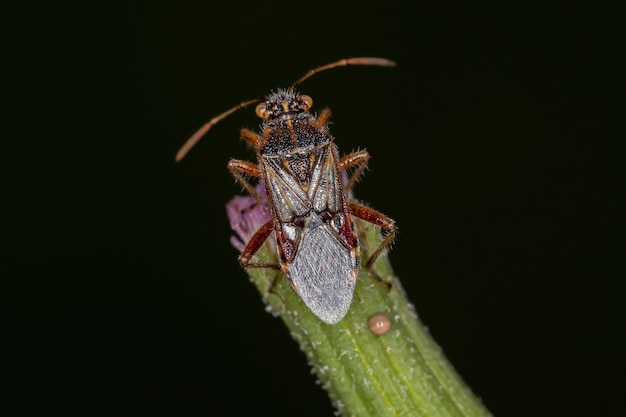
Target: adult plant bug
(312,217)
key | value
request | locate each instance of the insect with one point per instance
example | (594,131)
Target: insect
(312,218)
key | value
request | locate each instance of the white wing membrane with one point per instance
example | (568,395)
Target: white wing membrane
(324,273)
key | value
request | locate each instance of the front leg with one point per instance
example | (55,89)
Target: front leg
(239,169)
(358,159)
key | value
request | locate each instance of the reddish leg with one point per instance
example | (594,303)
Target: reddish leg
(254,139)
(324,116)
(358,159)
(254,245)
(379,219)
(239,168)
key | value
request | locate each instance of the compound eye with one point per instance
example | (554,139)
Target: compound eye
(261,111)
(307,102)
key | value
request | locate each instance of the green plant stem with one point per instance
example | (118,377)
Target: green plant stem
(400,373)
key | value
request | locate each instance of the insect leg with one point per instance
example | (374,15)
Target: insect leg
(324,116)
(254,139)
(254,245)
(239,168)
(359,160)
(378,219)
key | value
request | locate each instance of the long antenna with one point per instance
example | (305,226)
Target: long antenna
(374,61)
(195,138)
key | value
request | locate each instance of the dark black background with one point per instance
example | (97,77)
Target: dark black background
(494,145)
